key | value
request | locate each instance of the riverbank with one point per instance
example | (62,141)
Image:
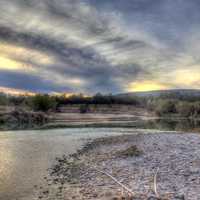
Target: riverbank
(20,118)
(41,121)
(164,165)
(99,116)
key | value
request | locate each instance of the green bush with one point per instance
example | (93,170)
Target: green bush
(185,109)
(3,99)
(197,109)
(84,108)
(43,103)
(151,105)
(165,107)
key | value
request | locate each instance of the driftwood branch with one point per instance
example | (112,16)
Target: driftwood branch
(116,181)
(155,184)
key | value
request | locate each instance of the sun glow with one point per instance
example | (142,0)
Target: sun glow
(13,57)
(14,91)
(145,86)
(187,77)
(8,64)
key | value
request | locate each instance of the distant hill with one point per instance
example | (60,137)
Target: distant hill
(164,93)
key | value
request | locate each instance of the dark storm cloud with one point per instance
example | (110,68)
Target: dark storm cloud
(97,72)
(29,39)
(169,20)
(82,62)
(99,45)
(29,82)
(128,6)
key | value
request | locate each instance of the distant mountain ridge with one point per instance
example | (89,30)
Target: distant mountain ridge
(157,93)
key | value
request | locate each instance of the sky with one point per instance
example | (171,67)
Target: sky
(107,46)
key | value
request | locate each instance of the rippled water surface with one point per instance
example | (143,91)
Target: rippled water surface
(25,156)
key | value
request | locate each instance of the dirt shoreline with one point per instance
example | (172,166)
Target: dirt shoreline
(175,156)
(20,118)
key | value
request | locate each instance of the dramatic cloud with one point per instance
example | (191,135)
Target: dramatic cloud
(99,45)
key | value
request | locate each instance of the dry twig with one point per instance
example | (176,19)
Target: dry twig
(155,184)
(116,181)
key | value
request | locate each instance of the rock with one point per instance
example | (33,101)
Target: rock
(180,197)
(129,152)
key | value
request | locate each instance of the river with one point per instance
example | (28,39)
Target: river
(25,156)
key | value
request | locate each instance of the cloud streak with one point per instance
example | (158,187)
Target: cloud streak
(90,46)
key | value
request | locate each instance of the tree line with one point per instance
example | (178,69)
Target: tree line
(162,105)
(45,102)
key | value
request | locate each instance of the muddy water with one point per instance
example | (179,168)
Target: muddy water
(25,156)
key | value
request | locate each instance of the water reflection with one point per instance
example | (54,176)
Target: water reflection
(6,161)
(25,156)
(187,125)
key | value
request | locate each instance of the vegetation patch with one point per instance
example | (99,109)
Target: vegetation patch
(68,169)
(130,152)
(84,108)
(22,119)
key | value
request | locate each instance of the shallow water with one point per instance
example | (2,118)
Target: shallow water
(171,124)
(25,156)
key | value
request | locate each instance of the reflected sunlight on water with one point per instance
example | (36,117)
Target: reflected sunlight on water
(6,162)
(25,156)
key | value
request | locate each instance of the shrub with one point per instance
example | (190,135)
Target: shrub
(151,105)
(3,99)
(2,120)
(187,109)
(130,152)
(165,107)
(197,109)
(184,109)
(43,103)
(84,108)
